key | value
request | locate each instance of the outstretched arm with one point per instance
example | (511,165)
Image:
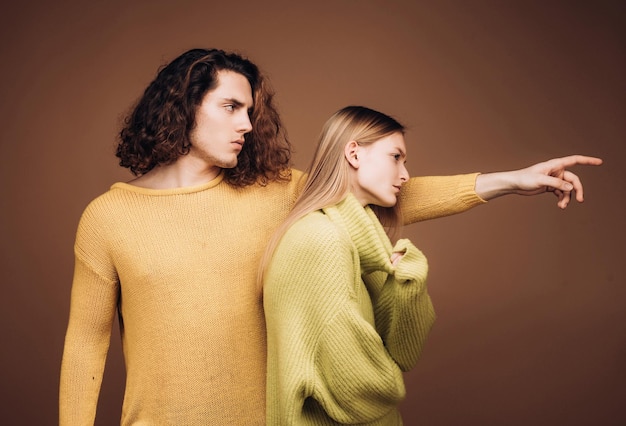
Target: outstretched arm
(547,176)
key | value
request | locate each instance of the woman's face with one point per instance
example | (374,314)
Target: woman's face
(380,171)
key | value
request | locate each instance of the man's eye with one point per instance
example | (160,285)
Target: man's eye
(230,108)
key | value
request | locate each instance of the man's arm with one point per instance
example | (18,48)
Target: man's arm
(431,197)
(94,299)
(548,176)
(93,308)
(92,312)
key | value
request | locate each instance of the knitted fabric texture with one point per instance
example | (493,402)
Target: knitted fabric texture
(179,267)
(343,323)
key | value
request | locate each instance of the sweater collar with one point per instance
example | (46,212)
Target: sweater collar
(366,232)
(170,191)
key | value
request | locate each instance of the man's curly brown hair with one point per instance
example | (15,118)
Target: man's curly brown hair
(157,130)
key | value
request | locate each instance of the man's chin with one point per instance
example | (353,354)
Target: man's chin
(229,164)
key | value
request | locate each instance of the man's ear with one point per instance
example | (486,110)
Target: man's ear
(351,151)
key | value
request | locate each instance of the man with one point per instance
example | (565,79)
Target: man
(175,252)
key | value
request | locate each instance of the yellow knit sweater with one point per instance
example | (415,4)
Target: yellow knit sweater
(342,321)
(179,267)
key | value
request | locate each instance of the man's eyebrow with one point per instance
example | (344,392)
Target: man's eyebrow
(234,101)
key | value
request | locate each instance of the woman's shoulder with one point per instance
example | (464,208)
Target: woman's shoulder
(315,232)
(314,224)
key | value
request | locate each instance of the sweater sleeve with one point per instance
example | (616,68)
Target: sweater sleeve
(403,310)
(359,366)
(430,197)
(92,311)
(322,341)
(358,380)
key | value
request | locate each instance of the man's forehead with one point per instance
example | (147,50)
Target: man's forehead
(233,86)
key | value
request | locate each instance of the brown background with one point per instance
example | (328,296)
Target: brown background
(531,299)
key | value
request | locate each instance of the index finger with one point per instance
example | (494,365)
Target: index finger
(573,160)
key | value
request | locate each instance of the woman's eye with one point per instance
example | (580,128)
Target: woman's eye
(397,157)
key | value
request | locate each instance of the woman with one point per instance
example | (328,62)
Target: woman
(347,311)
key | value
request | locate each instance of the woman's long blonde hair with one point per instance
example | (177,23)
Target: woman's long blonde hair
(327,181)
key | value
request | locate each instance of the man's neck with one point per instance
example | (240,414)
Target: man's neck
(181,174)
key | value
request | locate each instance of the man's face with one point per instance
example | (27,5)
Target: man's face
(222,119)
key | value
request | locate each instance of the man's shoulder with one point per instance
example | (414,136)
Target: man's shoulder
(111,195)
(297,174)
(290,176)
(106,204)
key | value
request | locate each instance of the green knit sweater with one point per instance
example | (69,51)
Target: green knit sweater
(343,323)
(179,268)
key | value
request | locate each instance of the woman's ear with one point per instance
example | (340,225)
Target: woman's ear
(351,153)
